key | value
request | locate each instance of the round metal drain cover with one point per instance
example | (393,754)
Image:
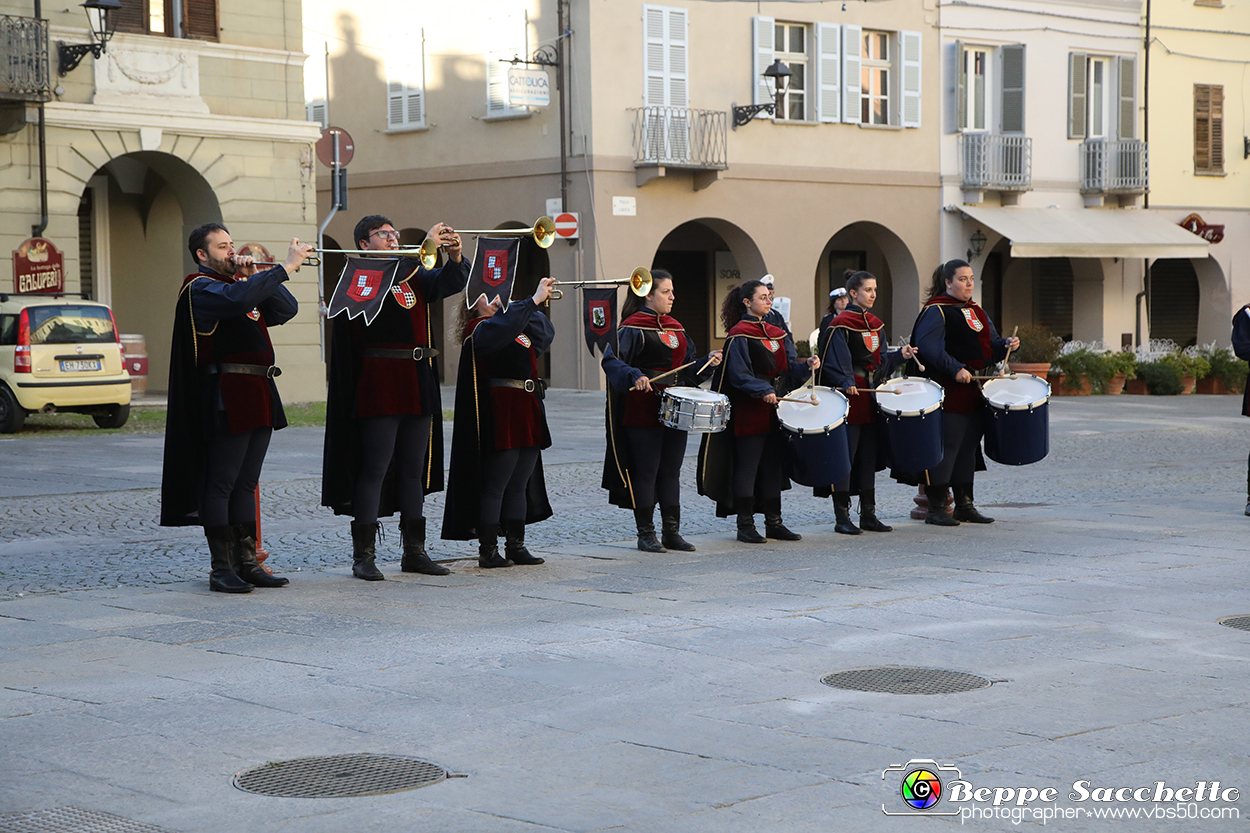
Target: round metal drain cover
(1240,622)
(901,679)
(76,819)
(340,776)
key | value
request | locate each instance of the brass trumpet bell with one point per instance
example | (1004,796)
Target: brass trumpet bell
(543,231)
(639,283)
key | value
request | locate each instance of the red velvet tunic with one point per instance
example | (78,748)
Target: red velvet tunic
(767,351)
(391,387)
(970,342)
(664,348)
(864,338)
(518,416)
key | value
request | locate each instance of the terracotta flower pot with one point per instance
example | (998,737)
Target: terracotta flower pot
(1211,385)
(1136,387)
(1115,385)
(1187,384)
(1061,385)
(1035,368)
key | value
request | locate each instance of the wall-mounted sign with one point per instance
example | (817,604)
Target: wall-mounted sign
(528,88)
(625,206)
(1211,234)
(38,267)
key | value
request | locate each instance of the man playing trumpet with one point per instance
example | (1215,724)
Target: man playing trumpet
(384,427)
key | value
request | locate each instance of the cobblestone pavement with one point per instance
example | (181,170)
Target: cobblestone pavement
(1136,450)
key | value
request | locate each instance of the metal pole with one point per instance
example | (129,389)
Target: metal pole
(561,8)
(1146,101)
(321,243)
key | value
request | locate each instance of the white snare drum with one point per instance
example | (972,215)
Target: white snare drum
(1017,430)
(803,417)
(914,397)
(913,422)
(694,409)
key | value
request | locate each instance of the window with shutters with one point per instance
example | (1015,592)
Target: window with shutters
(1208,129)
(875,78)
(195,19)
(665,51)
(1102,97)
(405,82)
(316,112)
(974,88)
(790,44)
(508,38)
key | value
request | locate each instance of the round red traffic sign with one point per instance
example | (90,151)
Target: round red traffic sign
(566,224)
(325,147)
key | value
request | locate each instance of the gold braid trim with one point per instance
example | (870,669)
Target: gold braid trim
(724,353)
(429,443)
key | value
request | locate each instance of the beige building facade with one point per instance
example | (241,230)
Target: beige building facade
(846,175)
(193,113)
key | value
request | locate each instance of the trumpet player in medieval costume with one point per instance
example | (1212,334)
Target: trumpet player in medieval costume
(644,457)
(384,426)
(223,403)
(1241,346)
(496,476)
(954,336)
(853,361)
(741,468)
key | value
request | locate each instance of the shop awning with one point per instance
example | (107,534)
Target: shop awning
(1088,232)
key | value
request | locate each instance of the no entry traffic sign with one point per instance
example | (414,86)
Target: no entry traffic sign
(568,224)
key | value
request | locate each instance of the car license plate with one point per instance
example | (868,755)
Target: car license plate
(79,365)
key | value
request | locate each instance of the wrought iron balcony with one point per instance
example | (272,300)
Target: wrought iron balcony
(1114,167)
(993,162)
(24,70)
(679,137)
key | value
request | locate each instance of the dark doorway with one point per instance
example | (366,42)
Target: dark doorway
(1052,295)
(1173,301)
(992,287)
(691,271)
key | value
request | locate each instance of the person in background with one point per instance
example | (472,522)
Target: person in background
(1241,346)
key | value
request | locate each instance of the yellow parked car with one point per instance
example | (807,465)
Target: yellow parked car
(59,353)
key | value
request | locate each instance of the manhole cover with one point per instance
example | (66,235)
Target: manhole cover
(340,776)
(900,679)
(72,820)
(1240,622)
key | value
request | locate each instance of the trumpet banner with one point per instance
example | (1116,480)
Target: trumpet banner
(364,283)
(494,270)
(599,307)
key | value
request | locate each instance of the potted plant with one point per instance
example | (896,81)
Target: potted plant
(1038,348)
(1160,378)
(1122,367)
(1228,373)
(1191,368)
(1081,370)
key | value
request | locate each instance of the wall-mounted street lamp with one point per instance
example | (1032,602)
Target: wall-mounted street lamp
(778,75)
(69,55)
(977,245)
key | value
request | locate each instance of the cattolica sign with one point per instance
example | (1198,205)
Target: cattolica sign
(38,267)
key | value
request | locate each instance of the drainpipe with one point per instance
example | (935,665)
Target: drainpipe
(37,230)
(1146,100)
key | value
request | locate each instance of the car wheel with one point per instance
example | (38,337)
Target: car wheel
(12,415)
(115,418)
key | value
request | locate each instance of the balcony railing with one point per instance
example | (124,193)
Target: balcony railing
(996,163)
(1114,167)
(24,73)
(679,137)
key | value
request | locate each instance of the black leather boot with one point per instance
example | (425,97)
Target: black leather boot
(773,527)
(644,519)
(514,544)
(747,534)
(670,521)
(248,568)
(842,514)
(964,509)
(415,559)
(488,555)
(868,512)
(222,577)
(937,507)
(364,536)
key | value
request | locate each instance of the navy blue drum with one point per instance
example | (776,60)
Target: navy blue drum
(1017,422)
(817,450)
(912,412)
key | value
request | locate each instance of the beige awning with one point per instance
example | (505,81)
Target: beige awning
(1088,232)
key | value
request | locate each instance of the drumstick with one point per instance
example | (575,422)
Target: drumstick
(670,372)
(710,359)
(879,390)
(1007,358)
(812,401)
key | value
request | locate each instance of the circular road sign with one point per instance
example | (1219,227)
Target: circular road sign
(566,224)
(325,147)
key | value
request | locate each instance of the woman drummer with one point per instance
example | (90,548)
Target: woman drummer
(851,346)
(955,337)
(742,467)
(644,457)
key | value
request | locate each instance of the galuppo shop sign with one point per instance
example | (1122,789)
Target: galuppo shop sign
(38,267)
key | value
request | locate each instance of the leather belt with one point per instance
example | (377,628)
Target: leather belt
(528,385)
(267,370)
(416,354)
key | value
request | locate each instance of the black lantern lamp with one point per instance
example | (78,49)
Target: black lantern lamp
(70,55)
(977,244)
(779,75)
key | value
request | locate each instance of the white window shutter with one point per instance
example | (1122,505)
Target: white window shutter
(678,59)
(405,82)
(655,83)
(1012,88)
(909,100)
(1078,63)
(828,72)
(317,112)
(852,51)
(762,58)
(1127,74)
(507,38)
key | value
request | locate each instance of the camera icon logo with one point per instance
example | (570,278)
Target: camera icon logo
(921,785)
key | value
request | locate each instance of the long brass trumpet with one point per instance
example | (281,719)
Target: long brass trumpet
(543,231)
(639,283)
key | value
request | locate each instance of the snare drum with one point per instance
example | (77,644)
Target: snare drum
(817,451)
(1017,429)
(694,409)
(913,422)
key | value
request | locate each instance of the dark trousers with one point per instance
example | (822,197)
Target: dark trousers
(657,454)
(758,466)
(505,475)
(961,434)
(407,440)
(231,472)
(863,441)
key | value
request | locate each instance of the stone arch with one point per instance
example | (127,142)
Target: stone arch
(1215,301)
(877,249)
